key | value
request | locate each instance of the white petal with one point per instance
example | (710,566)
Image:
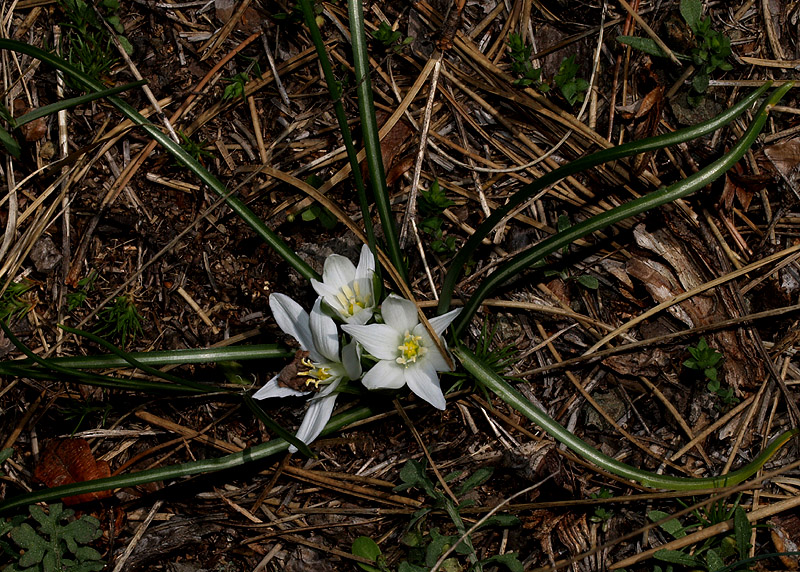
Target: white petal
(361,317)
(324,333)
(272,389)
(324,289)
(423,381)
(352,360)
(293,320)
(399,313)
(366,263)
(440,323)
(380,340)
(384,375)
(433,355)
(318,414)
(338,271)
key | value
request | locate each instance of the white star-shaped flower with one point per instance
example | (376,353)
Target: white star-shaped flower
(347,289)
(407,353)
(318,367)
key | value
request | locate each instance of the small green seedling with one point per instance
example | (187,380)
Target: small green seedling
(196,150)
(601,515)
(432,204)
(391,38)
(706,359)
(57,542)
(235,87)
(425,547)
(85,285)
(709,53)
(572,88)
(14,303)
(521,64)
(121,320)
(713,552)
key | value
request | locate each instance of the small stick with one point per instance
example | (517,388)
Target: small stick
(203,316)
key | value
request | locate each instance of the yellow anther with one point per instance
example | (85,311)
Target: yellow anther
(411,349)
(316,373)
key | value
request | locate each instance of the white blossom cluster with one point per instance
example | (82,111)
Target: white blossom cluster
(401,349)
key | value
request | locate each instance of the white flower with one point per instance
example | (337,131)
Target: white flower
(407,353)
(347,289)
(318,365)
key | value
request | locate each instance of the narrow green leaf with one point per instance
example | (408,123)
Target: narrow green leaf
(11,145)
(672,527)
(743,531)
(645,45)
(677,557)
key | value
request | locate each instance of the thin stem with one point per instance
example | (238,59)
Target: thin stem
(248,216)
(486,377)
(249,455)
(633,208)
(335,90)
(633,148)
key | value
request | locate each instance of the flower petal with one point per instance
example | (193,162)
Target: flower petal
(318,414)
(399,313)
(324,333)
(272,389)
(384,375)
(366,264)
(380,340)
(424,382)
(351,360)
(440,323)
(433,355)
(338,271)
(293,320)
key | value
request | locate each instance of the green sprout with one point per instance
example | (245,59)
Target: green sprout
(706,359)
(13,302)
(389,37)
(432,204)
(85,285)
(709,53)
(521,64)
(572,88)
(121,320)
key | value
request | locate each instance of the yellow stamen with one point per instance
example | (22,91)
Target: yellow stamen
(317,373)
(411,349)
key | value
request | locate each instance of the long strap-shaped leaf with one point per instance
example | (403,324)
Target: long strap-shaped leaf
(275,241)
(584,163)
(369,126)
(515,399)
(630,209)
(250,455)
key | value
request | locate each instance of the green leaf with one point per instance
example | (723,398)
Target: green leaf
(475,479)
(713,561)
(11,145)
(700,82)
(645,45)
(742,531)
(692,10)
(589,282)
(672,527)
(367,548)
(501,520)
(510,560)
(677,557)
(126,45)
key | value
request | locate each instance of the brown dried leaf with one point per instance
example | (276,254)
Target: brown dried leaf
(67,461)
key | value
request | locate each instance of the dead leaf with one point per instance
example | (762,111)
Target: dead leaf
(67,461)
(785,157)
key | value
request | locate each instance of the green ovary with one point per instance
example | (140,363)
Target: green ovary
(411,349)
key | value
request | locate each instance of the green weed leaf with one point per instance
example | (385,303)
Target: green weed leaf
(692,10)
(367,548)
(510,560)
(677,557)
(645,45)
(742,531)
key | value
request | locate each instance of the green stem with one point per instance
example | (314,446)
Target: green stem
(486,377)
(238,207)
(615,153)
(335,89)
(633,208)
(372,141)
(252,454)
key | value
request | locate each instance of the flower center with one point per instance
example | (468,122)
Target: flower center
(316,373)
(352,300)
(411,349)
